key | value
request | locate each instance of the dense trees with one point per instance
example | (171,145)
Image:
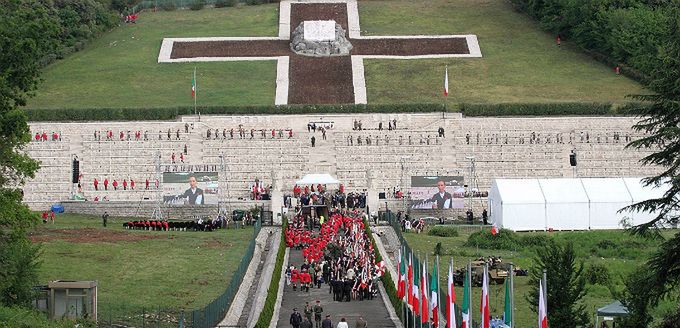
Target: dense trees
(628,32)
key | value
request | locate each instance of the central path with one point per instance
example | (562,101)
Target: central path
(373,311)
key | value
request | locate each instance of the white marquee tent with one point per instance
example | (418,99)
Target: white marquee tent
(317,178)
(567,204)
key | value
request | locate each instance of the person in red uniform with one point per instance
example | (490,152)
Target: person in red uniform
(106,184)
(52,216)
(44,216)
(146,183)
(290,133)
(132,184)
(295,277)
(124,184)
(173,158)
(181,157)
(122,135)
(43,137)
(115,185)
(96,184)
(37,136)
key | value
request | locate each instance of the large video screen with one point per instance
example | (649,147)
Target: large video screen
(190,188)
(437,192)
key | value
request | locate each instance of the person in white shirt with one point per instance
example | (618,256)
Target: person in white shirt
(342,323)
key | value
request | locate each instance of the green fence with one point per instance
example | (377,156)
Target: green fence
(214,312)
(404,313)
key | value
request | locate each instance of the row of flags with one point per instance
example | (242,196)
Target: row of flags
(423,300)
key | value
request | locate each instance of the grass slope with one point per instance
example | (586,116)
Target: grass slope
(179,270)
(120,69)
(621,253)
(520,64)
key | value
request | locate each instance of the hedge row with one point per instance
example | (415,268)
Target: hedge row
(171,113)
(386,278)
(272,293)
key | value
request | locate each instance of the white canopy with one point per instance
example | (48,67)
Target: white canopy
(567,204)
(317,178)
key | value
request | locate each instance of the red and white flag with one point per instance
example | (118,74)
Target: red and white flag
(484,307)
(542,313)
(401,285)
(424,290)
(494,229)
(446,82)
(451,301)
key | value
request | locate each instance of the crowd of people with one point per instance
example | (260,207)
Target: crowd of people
(548,138)
(42,136)
(244,133)
(137,135)
(377,140)
(319,195)
(201,224)
(125,184)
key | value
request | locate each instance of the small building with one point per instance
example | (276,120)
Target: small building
(72,299)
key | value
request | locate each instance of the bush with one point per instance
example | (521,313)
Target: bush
(443,231)
(225,3)
(554,109)
(505,239)
(253,2)
(535,240)
(168,6)
(197,5)
(598,273)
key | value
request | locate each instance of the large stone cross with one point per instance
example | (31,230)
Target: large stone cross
(302,79)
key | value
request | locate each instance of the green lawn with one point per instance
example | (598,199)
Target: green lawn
(176,270)
(626,252)
(520,64)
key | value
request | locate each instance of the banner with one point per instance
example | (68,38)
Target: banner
(437,192)
(190,188)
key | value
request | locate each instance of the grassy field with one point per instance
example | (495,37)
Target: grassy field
(520,64)
(622,255)
(138,270)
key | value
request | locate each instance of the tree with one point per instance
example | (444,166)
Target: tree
(566,285)
(660,121)
(27,32)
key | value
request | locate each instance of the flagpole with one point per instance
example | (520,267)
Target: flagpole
(512,295)
(469,279)
(195,90)
(439,299)
(545,289)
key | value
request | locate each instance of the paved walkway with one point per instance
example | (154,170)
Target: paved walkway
(373,311)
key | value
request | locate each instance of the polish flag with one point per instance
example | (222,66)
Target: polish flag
(451,301)
(484,307)
(446,82)
(542,313)
(494,229)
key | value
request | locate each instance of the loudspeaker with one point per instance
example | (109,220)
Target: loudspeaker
(572,159)
(381,195)
(76,171)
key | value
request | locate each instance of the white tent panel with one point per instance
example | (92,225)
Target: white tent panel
(324,178)
(641,193)
(517,204)
(607,196)
(566,204)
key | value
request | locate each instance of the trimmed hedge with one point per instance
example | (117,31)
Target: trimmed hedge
(548,109)
(170,113)
(387,277)
(273,291)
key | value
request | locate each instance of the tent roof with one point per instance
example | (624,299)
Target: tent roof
(317,178)
(640,192)
(606,190)
(615,309)
(563,191)
(519,191)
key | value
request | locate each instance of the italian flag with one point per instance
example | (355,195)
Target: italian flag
(424,290)
(193,85)
(507,311)
(416,290)
(451,300)
(446,82)
(401,286)
(434,296)
(484,306)
(465,310)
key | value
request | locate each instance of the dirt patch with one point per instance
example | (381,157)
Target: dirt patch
(90,235)
(253,48)
(216,243)
(410,47)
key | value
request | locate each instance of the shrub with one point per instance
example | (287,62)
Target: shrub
(554,109)
(168,6)
(505,239)
(598,273)
(443,231)
(197,5)
(253,2)
(225,3)
(535,240)
(272,292)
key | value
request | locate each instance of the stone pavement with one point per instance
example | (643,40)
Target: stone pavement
(374,311)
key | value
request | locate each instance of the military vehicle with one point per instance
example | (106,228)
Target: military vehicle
(497,273)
